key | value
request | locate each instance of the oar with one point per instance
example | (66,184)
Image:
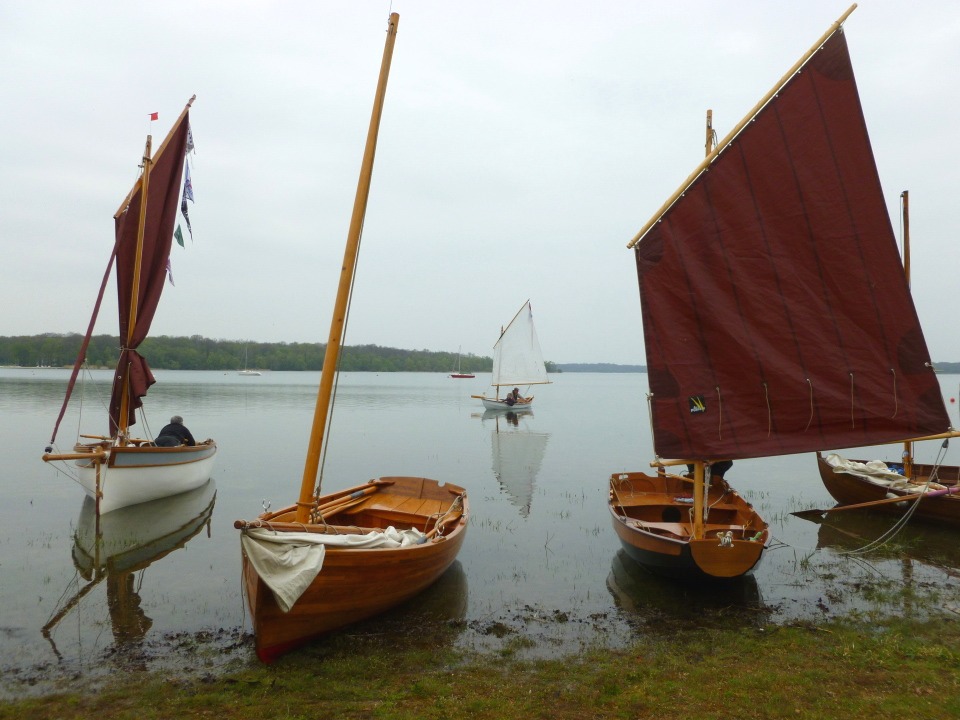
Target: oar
(905,498)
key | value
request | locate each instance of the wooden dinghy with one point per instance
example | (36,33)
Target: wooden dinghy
(766,335)
(335,558)
(355,583)
(937,499)
(654,517)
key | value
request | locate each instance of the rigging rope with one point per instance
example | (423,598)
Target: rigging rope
(896,400)
(853,422)
(810,419)
(336,375)
(905,518)
(766,395)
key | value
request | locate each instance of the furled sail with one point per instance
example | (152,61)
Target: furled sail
(776,315)
(145,274)
(517,358)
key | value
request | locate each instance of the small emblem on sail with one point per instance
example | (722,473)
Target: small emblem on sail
(697,404)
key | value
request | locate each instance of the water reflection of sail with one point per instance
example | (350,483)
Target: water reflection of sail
(645,597)
(114,546)
(517,456)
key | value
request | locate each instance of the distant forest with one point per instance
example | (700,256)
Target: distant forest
(200,353)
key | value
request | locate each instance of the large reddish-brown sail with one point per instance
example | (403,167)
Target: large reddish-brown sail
(776,315)
(163,196)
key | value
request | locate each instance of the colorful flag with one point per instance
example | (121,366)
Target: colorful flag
(178,234)
(155,116)
(183,209)
(187,184)
(170,272)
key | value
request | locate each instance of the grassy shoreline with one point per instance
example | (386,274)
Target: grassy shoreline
(899,669)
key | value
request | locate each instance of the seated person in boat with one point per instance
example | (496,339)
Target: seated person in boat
(509,399)
(517,398)
(717,469)
(175,434)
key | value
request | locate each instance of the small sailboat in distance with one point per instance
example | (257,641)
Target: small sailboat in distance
(517,362)
(246,372)
(458,373)
(333,559)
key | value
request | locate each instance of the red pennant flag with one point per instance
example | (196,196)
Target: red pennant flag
(155,116)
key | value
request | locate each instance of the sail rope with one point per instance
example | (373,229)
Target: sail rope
(766,395)
(336,374)
(719,413)
(896,399)
(810,419)
(650,419)
(853,422)
(905,518)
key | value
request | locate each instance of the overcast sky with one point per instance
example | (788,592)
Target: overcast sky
(523,144)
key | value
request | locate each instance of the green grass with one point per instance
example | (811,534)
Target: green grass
(899,670)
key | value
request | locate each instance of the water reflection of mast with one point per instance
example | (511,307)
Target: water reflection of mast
(517,456)
(115,546)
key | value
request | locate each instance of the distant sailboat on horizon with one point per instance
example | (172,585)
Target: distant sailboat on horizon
(457,372)
(246,372)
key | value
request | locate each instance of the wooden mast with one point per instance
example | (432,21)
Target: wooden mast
(338,323)
(742,124)
(122,424)
(907,455)
(905,211)
(711,134)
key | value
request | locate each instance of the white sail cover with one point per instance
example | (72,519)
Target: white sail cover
(517,359)
(289,561)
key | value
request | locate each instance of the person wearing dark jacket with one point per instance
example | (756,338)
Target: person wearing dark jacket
(175,434)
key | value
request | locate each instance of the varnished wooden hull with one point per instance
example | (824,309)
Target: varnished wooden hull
(849,489)
(650,514)
(355,584)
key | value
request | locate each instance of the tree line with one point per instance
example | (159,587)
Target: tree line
(200,353)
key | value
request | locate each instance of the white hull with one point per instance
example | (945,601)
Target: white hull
(493,404)
(133,475)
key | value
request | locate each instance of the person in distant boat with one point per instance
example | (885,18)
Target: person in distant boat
(516,396)
(175,434)
(509,399)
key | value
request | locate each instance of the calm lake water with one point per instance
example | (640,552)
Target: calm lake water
(540,575)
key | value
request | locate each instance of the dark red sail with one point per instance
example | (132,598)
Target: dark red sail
(777,318)
(163,201)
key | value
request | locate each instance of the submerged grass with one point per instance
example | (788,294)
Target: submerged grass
(899,669)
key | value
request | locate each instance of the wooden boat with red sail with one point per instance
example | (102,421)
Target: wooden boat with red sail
(333,559)
(776,318)
(116,469)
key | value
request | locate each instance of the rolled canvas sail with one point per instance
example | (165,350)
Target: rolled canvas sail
(517,359)
(776,315)
(145,274)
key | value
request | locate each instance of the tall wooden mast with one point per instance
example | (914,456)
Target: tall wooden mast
(338,323)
